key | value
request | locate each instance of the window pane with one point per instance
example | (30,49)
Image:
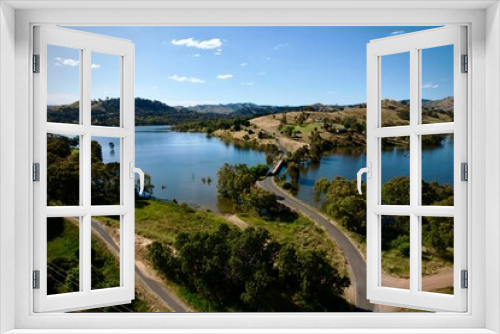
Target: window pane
(105,171)
(105,252)
(63,84)
(105,89)
(395,89)
(63,170)
(63,259)
(437,84)
(395,247)
(395,170)
(437,169)
(437,254)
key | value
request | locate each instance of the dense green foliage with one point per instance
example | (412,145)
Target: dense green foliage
(222,122)
(343,203)
(63,163)
(237,184)
(249,271)
(63,173)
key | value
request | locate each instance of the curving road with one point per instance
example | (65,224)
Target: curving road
(167,296)
(356,262)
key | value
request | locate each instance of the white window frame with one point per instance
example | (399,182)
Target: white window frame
(86,44)
(413,44)
(482,316)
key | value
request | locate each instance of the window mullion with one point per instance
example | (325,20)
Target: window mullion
(86,176)
(414,171)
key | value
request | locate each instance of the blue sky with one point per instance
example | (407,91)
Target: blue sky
(263,65)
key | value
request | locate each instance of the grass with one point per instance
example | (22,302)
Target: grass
(393,263)
(63,256)
(163,221)
(307,127)
(304,234)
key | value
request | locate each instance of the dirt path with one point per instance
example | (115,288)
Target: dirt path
(143,271)
(430,283)
(236,221)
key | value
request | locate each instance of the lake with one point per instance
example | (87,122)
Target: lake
(437,165)
(181,164)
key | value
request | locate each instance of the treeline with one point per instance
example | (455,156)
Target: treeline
(224,122)
(248,271)
(147,112)
(344,204)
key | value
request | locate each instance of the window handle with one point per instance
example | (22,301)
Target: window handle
(368,171)
(139,171)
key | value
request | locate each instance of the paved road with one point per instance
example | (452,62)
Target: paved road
(356,262)
(168,297)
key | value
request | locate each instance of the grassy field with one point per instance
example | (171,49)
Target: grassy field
(163,221)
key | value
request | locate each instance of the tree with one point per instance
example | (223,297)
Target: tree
(233,180)
(261,201)
(250,271)
(288,131)
(283,120)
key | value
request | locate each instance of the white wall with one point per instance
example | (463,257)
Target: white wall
(492,164)
(7,161)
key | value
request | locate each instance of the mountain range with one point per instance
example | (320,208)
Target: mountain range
(151,112)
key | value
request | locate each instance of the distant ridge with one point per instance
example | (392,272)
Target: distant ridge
(152,112)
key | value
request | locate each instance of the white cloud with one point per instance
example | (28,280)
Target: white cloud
(66,61)
(71,62)
(262,73)
(397,32)
(331,92)
(279,46)
(209,44)
(178,78)
(429,85)
(224,76)
(248,83)
(196,55)
(243,64)
(217,53)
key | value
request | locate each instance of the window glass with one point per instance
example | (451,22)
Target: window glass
(63,255)
(437,85)
(63,85)
(395,89)
(105,89)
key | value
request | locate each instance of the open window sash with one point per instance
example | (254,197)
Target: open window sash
(415,297)
(84,296)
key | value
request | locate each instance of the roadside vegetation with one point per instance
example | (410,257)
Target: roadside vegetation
(63,264)
(348,208)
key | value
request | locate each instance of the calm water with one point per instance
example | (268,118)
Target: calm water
(437,165)
(177,162)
